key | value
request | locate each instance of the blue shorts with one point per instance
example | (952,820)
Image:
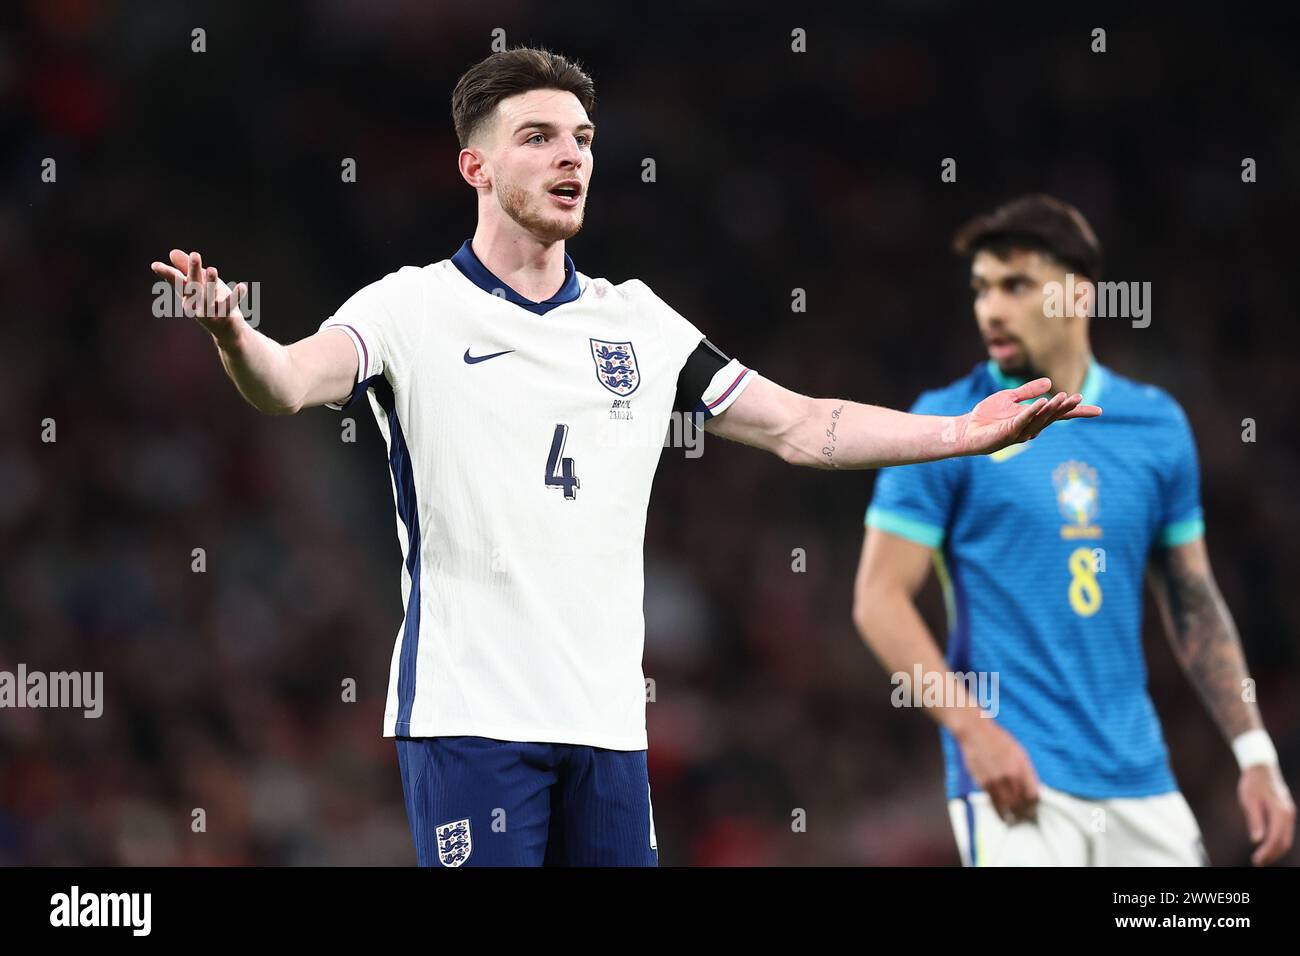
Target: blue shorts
(474,801)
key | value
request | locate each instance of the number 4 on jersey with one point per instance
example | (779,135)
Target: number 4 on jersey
(559,470)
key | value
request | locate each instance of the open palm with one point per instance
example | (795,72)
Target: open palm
(1000,420)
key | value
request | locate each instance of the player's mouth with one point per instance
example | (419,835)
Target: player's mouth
(567,194)
(1002,347)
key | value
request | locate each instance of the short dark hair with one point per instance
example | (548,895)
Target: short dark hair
(508,72)
(1035,222)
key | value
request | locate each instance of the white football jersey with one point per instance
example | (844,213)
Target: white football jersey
(523,439)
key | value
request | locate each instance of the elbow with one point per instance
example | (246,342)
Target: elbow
(869,604)
(862,617)
(792,454)
(269,407)
(796,443)
(795,454)
(282,401)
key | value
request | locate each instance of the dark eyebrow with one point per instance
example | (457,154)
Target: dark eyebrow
(550,127)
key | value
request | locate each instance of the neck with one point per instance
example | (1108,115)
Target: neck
(533,268)
(1068,371)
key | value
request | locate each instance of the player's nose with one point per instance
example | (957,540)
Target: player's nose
(569,154)
(993,310)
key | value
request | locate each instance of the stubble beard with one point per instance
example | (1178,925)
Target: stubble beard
(514,203)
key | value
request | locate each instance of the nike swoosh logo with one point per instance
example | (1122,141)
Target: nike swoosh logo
(475,359)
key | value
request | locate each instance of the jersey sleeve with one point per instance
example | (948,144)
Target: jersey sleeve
(916,501)
(374,318)
(707,381)
(1181,517)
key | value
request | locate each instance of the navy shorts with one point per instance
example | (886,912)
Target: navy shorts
(474,801)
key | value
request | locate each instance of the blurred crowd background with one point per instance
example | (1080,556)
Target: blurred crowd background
(776,170)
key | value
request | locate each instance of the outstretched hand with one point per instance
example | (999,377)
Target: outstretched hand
(1000,420)
(212,303)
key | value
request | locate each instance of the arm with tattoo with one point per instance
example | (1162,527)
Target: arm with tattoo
(1203,636)
(832,433)
(1205,641)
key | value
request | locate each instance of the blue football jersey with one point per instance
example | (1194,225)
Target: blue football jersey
(1042,550)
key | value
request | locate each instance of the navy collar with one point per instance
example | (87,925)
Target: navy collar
(474,270)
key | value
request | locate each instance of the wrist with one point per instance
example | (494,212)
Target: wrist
(1254,748)
(954,436)
(232,335)
(964,722)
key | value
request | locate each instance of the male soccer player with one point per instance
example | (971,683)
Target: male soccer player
(1041,549)
(500,379)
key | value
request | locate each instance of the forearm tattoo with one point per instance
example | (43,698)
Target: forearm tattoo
(1206,643)
(828,449)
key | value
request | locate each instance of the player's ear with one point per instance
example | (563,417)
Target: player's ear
(473,169)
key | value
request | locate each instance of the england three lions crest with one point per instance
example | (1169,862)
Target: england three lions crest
(616,366)
(454,843)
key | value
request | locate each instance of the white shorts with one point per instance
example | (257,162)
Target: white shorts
(1069,831)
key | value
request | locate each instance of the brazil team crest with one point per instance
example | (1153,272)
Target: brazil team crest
(454,843)
(616,366)
(1077,494)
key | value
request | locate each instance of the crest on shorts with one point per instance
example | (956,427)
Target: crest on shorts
(616,366)
(454,843)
